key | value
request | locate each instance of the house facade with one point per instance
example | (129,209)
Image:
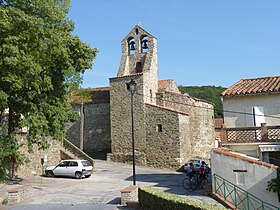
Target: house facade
(252,118)
(250,102)
(169,127)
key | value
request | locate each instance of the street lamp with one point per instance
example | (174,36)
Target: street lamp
(132,88)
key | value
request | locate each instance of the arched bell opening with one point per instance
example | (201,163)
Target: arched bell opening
(131,46)
(144,43)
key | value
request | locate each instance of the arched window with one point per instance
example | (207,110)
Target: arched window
(131,46)
(144,44)
(138,67)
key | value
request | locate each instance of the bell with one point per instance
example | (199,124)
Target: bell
(144,44)
(131,45)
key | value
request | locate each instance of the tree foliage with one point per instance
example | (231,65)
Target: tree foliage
(209,93)
(40,61)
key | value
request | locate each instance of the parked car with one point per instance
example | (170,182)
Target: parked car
(196,164)
(71,168)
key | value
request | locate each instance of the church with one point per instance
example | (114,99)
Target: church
(169,128)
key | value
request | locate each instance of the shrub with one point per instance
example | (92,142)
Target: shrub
(152,198)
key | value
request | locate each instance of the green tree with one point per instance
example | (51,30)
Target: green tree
(209,93)
(40,61)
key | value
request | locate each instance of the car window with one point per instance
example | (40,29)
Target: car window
(195,161)
(73,163)
(86,163)
(63,164)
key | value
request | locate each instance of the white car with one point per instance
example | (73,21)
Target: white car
(71,168)
(196,165)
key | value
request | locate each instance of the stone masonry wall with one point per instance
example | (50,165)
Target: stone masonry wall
(185,138)
(120,106)
(163,146)
(198,133)
(202,129)
(34,167)
(97,129)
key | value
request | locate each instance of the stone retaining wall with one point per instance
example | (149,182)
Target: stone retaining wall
(33,166)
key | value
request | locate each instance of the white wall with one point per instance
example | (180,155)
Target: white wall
(270,103)
(255,179)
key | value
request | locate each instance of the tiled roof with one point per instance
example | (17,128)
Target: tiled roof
(94,95)
(254,86)
(128,75)
(163,84)
(228,152)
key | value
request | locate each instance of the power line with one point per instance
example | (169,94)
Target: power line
(223,110)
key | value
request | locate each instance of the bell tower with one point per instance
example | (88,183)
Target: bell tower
(139,56)
(138,62)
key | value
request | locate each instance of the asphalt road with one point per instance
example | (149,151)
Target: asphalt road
(102,189)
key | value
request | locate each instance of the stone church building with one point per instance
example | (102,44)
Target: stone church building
(169,127)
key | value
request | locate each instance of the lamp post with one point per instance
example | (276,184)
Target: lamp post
(132,88)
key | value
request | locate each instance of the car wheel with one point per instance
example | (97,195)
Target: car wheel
(78,175)
(49,174)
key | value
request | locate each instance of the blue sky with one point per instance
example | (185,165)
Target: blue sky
(200,42)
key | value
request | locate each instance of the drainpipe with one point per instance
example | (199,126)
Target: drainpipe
(82,127)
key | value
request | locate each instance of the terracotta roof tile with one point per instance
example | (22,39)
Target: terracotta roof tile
(243,157)
(254,86)
(95,95)
(128,75)
(163,84)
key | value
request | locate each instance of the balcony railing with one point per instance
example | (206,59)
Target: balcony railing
(251,134)
(238,197)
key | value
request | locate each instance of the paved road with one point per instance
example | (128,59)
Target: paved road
(103,187)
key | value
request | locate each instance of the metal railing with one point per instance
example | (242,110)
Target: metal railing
(240,198)
(76,151)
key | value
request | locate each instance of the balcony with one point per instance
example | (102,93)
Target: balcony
(251,134)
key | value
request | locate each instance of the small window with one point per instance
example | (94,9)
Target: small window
(127,86)
(240,176)
(159,128)
(136,30)
(138,67)
(151,95)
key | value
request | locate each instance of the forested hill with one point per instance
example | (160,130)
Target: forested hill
(209,93)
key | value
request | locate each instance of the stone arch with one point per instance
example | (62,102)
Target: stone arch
(131,46)
(144,43)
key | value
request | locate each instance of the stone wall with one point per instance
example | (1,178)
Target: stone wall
(120,106)
(97,130)
(198,132)
(202,131)
(34,167)
(163,137)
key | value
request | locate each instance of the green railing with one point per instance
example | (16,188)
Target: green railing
(238,197)
(76,151)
